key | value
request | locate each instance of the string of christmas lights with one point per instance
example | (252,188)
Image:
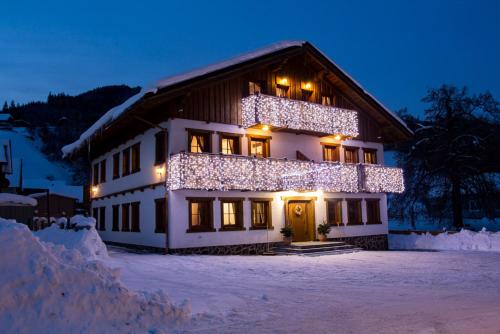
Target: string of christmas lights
(298,115)
(201,171)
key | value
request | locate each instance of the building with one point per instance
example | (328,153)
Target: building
(58,205)
(221,158)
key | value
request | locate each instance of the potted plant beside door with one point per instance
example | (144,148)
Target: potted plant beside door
(323,230)
(287,233)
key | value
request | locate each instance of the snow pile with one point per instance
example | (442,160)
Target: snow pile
(82,221)
(464,240)
(48,289)
(16,200)
(87,242)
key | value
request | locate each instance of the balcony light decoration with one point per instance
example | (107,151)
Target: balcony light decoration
(282,81)
(383,179)
(307,87)
(298,115)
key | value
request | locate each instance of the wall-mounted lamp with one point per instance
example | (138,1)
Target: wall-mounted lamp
(338,137)
(160,171)
(94,189)
(307,86)
(265,128)
(282,81)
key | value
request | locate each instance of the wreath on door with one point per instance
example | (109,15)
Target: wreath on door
(298,210)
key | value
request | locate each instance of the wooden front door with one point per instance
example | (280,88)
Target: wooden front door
(300,215)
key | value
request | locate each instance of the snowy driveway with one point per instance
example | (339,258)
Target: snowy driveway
(367,292)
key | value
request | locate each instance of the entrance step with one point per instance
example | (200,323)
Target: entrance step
(316,248)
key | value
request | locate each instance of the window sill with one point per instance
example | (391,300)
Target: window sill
(135,171)
(115,230)
(229,229)
(125,231)
(200,230)
(355,224)
(271,228)
(375,223)
(136,231)
(116,177)
(159,232)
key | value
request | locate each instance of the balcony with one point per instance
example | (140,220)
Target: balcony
(296,115)
(201,171)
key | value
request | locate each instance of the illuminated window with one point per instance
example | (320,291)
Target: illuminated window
(373,211)
(281,91)
(199,142)
(334,211)
(231,214)
(326,100)
(254,87)
(261,214)
(351,155)
(331,153)
(259,147)
(370,156)
(200,215)
(354,212)
(229,144)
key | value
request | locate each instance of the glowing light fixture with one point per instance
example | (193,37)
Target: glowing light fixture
(307,86)
(338,137)
(282,81)
(160,170)
(265,128)
(95,189)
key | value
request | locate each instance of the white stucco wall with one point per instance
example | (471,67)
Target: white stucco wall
(283,145)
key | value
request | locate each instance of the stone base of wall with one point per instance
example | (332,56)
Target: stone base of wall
(368,242)
(136,248)
(247,249)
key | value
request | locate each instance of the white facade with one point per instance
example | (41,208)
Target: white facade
(148,184)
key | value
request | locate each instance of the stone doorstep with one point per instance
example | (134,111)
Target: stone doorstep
(315,244)
(315,249)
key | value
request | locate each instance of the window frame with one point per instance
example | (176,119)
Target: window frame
(126,162)
(239,224)
(115,218)
(200,132)
(236,136)
(135,216)
(125,208)
(356,153)
(161,144)
(267,145)
(370,151)
(370,201)
(102,172)
(200,229)
(326,146)
(160,207)
(269,215)
(135,158)
(256,83)
(116,165)
(338,203)
(359,212)
(102,218)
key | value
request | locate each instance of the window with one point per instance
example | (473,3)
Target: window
(200,215)
(231,214)
(373,211)
(199,142)
(126,161)
(135,216)
(326,100)
(103,171)
(95,175)
(261,214)
(259,146)
(116,165)
(115,218)
(229,144)
(95,215)
(102,218)
(334,211)
(331,153)
(160,215)
(370,156)
(254,88)
(354,212)
(351,155)
(281,91)
(160,147)
(136,158)
(125,217)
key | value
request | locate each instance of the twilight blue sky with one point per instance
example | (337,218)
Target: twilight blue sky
(395,49)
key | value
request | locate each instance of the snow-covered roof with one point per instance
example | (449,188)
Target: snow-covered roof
(38,195)
(16,200)
(117,111)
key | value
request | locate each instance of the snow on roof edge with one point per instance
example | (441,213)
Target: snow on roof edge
(36,195)
(8,199)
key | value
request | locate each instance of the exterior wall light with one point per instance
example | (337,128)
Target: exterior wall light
(338,137)
(265,128)
(94,189)
(282,81)
(307,87)
(160,171)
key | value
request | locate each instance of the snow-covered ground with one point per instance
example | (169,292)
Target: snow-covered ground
(366,292)
(463,240)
